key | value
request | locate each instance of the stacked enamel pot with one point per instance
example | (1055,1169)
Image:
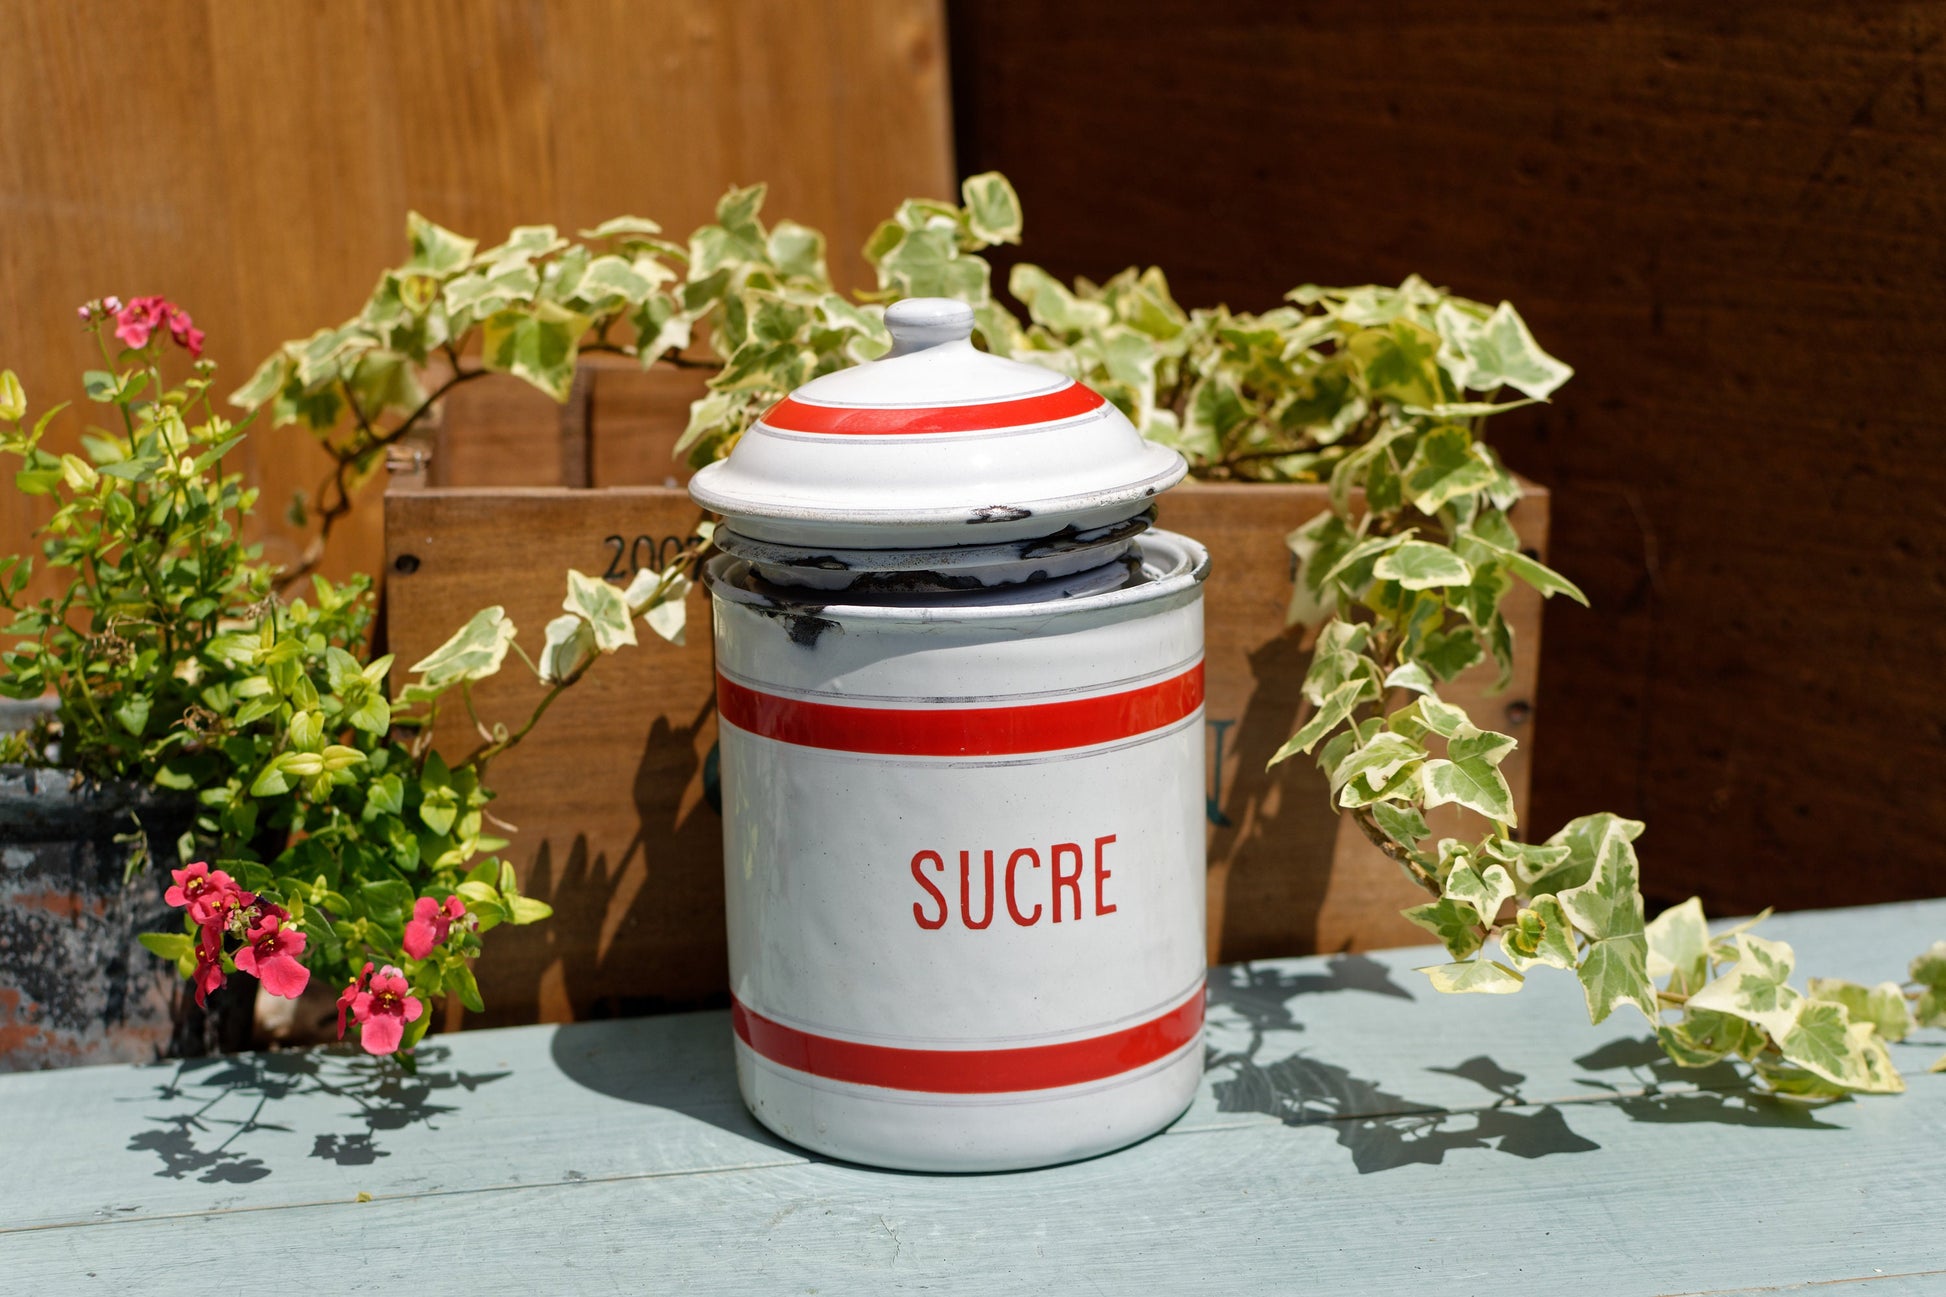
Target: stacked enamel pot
(961,701)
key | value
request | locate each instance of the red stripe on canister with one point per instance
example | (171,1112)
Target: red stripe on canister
(962,731)
(971,1071)
(790,415)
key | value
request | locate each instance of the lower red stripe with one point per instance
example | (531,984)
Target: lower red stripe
(962,731)
(800,416)
(971,1071)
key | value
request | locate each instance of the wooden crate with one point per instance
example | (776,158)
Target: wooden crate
(611,794)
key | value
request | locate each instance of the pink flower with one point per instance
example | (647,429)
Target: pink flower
(82,311)
(209,964)
(351,993)
(382,1011)
(270,954)
(137,322)
(431,924)
(209,893)
(112,303)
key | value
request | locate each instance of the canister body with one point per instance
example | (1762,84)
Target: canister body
(964,857)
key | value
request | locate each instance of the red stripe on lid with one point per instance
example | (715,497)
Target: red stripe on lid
(790,415)
(1014,729)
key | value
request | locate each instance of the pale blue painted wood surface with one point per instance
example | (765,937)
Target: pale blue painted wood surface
(1356,1134)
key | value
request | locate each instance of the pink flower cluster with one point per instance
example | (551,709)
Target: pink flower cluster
(380,1007)
(270,946)
(135,322)
(431,924)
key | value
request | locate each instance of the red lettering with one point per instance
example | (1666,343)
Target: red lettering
(1070,881)
(1013,906)
(927,883)
(1101,876)
(965,890)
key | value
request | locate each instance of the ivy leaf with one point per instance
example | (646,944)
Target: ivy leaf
(1421,565)
(538,345)
(1526,860)
(1540,935)
(1679,942)
(1382,757)
(1823,1040)
(1445,465)
(1447,653)
(1485,890)
(1929,970)
(474,653)
(1455,923)
(1587,839)
(1755,988)
(435,249)
(603,607)
(992,208)
(1474,977)
(1403,824)
(798,252)
(1704,1037)
(1883,1006)
(622,225)
(1608,910)
(1474,783)
(1335,710)
(1399,361)
(1501,352)
(568,649)
(1411,676)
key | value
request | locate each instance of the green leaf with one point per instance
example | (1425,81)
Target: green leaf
(1883,1006)
(1929,970)
(798,251)
(1474,783)
(525,909)
(1500,352)
(1336,708)
(1399,361)
(461,979)
(1456,924)
(569,648)
(1410,676)
(604,609)
(1587,838)
(1705,1037)
(435,250)
(1540,935)
(1755,988)
(13,399)
(473,653)
(1378,760)
(1824,1041)
(537,345)
(169,945)
(1485,890)
(992,208)
(1447,653)
(133,714)
(1403,824)
(1446,465)
(1421,565)
(1608,910)
(1679,941)
(1474,977)
(621,225)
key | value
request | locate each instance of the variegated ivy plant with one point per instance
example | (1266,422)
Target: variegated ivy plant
(1381,393)
(757,302)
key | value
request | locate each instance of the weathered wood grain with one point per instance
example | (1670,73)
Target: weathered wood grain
(256,161)
(1363,1140)
(1727,218)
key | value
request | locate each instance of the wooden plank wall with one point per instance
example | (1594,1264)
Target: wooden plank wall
(255,161)
(1730,217)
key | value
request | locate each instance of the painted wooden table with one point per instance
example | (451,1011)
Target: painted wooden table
(1356,1135)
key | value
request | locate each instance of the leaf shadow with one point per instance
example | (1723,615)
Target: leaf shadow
(1659,1092)
(217,1104)
(1381,1130)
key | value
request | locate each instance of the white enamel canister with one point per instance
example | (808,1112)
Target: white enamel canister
(962,764)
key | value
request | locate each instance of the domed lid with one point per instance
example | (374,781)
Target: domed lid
(937,444)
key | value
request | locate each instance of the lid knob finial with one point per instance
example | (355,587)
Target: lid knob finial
(921,322)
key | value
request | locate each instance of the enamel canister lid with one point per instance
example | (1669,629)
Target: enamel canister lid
(938,444)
